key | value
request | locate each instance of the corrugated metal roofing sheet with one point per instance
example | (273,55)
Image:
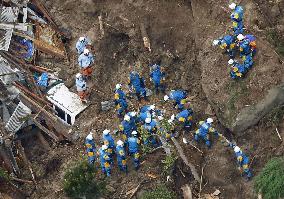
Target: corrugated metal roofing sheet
(18,118)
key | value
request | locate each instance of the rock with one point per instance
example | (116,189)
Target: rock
(280,28)
(110,189)
(275,11)
(217,192)
(75,136)
(250,116)
(208,110)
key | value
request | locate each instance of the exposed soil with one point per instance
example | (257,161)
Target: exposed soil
(181,34)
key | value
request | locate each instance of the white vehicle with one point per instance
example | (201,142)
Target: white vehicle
(67,104)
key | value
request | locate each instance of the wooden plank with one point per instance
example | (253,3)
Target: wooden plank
(185,160)
(50,118)
(48,132)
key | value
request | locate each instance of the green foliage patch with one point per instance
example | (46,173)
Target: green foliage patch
(270,182)
(80,182)
(160,192)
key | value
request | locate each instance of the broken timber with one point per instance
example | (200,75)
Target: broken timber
(185,160)
(52,122)
(145,37)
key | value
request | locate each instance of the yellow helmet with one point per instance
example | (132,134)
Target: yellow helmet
(181,119)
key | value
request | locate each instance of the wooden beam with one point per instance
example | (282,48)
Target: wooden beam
(49,117)
(185,160)
(25,159)
(48,132)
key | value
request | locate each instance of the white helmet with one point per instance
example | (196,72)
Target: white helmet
(173,117)
(119,143)
(133,114)
(134,133)
(231,61)
(148,120)
(160,117)
(170,121)
(127,118)
(106,132)
(152,107)
(215,42)
(232,6)
(104,147)
(166,98)
(86,51)
(81,38)
(240,37)
(237,149)
(117,86)
(90,136)
(209,120)
(78,75)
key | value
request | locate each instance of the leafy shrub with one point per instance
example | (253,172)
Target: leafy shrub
(80,181)
(160,192)
(168,163)
(270,182)
(4,176)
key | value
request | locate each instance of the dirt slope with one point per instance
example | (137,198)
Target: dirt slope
(181,34)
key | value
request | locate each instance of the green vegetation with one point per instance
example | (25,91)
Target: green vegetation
(275,116)
(270,181)
(81,181)
(4,176)
(168,163)
(236,90)
(160,192)
(144,136)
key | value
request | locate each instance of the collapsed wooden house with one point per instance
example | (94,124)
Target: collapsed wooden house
(31,95)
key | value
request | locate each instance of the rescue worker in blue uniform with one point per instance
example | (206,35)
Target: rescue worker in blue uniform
(248,61)
(126,127)
(151,126)
(138,83)
(119,94)
(120,101)
(204,130)
(133,117)
(157,76)
(109,142)
(185,117)
(86,60)
(105,160)
(227,43)
(81,86)
(237,18)
(252,43)
(243,163)
(81,44)
(133,147)
(237,70)
(179,98)
(121,107)
(121,156)
(238,12)
(90,148)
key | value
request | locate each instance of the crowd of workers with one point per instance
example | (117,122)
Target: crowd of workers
(149,125)
(236,42)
